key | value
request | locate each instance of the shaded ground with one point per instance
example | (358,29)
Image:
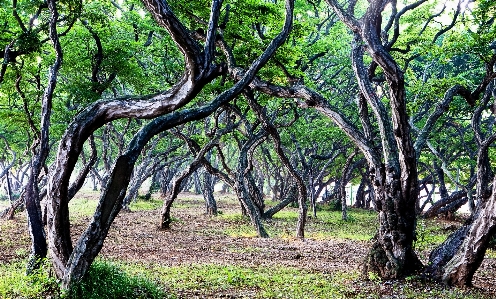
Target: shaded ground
(195,238)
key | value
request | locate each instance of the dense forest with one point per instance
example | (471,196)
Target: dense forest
(278,103)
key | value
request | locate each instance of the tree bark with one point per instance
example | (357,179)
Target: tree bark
(32,197)
(456,260)
(208,194)
(70,265)
(302,189)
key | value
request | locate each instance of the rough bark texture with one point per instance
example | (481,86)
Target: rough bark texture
(70,265)
(461,268)
(395,180)
(32,197)
(455,261)
(208,194)
(241,183)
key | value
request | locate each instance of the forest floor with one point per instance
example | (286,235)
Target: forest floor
(197,244)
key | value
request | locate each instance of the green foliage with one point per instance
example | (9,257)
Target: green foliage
(28,42)
(14,283)
(107,280)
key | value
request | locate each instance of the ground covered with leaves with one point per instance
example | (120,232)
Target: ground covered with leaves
(220,257)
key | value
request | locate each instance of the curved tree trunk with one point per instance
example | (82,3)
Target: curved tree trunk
(456,260)
(70,265)
(302,189)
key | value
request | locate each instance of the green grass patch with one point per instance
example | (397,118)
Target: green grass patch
(142,280)
(260,282)
(108,280)
(145,205)
(14,283)
(104,280)
(429,235)
(288,282)
(80,207)
(361,225)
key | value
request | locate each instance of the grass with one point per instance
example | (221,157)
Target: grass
(14,283)
(145,205)
(361,225)
(104,280)
(109,279)
(287,282)
(118,279)
(82,208)
(430,234)
(261,282)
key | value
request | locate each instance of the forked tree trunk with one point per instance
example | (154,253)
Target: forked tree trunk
(455,261)
(300,184)
(36,228)
(242,184)
(249,207)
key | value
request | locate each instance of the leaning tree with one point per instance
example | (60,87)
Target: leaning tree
(200,68)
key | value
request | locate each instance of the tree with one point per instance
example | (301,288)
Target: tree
(72,263)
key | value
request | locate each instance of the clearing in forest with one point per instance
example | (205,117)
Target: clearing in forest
(221,257)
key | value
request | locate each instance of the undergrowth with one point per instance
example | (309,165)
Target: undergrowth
(104,280)
(107,280)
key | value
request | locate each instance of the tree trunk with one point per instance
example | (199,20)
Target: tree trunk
(360,195)
(197,184)
(250,209)
(392,255)
(35,218)
(449,204)
(242,184)
(455,261)
(70,265)
(281,205)
(208,194)
(302,189)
